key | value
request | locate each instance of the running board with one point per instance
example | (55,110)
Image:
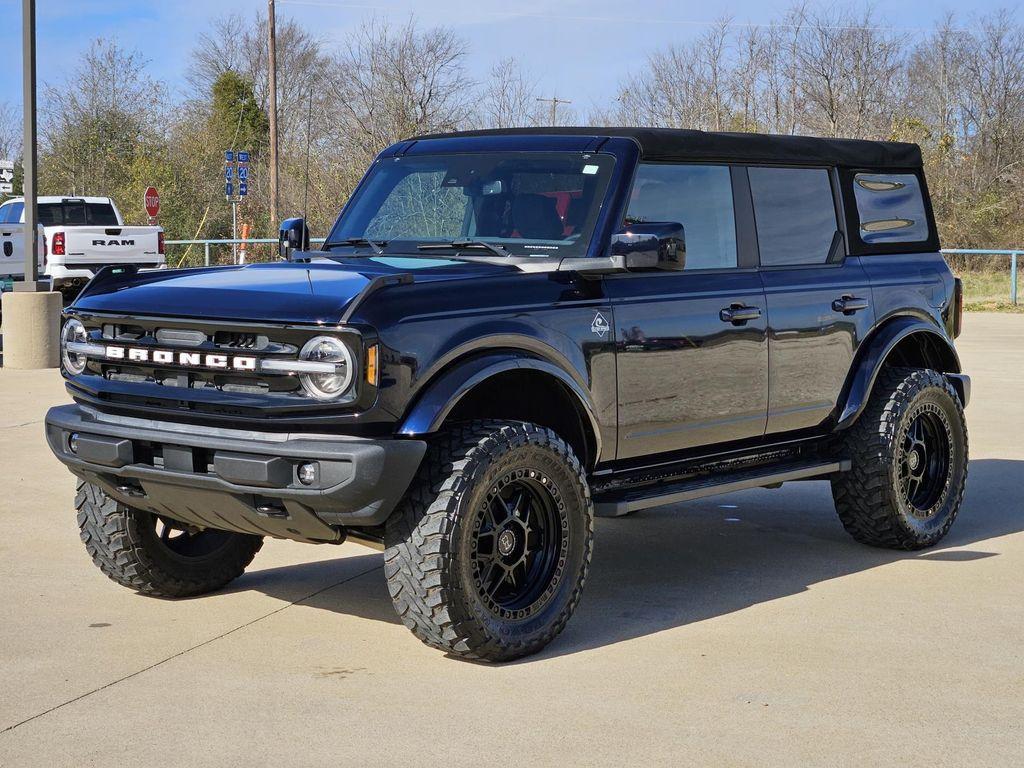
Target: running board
(622,502)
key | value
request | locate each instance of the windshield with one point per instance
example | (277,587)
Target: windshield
(524,203)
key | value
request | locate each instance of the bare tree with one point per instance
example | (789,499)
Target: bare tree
(509,97)
(683,86)
(10,131)
(391,83)
(239,44)
(848,70)
(92,123)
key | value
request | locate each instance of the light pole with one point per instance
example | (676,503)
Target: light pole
(31,313)
(28,42)
(272,108)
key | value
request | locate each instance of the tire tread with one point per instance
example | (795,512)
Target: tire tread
(863,496)
(420,532)
(110,532)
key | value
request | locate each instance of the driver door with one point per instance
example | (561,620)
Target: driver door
(691,345)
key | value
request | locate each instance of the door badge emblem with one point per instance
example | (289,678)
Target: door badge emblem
(600,326)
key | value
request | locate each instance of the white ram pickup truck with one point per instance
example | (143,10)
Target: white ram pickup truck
(81,235)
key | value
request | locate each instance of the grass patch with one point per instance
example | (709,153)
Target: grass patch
(989,291)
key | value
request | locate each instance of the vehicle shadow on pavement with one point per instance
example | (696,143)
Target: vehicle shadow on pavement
(352,585)
(677,565)
(673,566)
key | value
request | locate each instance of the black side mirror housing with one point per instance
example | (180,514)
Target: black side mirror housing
(651,245)
(293,236)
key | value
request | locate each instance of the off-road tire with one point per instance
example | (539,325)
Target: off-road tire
(428,560)
(124,544)
(868,498)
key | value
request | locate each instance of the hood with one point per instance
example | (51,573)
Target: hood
(279,292)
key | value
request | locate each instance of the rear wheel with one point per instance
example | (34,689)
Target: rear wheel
(487,555)
(156,555)
(909,456)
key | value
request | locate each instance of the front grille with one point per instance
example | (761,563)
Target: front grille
(201,340)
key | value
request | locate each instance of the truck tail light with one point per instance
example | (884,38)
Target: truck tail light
(160,248)
(958,306)
(58,244)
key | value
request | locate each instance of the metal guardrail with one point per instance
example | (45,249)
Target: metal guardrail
(1013,254)
(231,241)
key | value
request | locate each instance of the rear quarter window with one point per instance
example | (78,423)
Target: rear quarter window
(890,208)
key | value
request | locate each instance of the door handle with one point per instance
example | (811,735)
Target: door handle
(849,304)
(737,314)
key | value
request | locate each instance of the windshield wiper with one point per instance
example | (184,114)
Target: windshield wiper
(378,247)
(500,250)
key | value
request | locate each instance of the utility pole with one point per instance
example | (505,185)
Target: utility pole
(28,43)
(272,67)
(554,101)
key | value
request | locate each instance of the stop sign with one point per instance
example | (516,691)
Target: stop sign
(152,202)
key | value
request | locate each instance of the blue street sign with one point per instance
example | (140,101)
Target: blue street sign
(243,157)
(229,156)
(243,171)
(229,190)
(243,189)
(229,171)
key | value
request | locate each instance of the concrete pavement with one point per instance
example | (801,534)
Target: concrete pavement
(739,630)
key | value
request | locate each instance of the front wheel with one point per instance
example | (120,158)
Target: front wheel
(487,555)
(155,555)
(909,462)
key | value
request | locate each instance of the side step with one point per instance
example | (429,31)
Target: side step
(622,502)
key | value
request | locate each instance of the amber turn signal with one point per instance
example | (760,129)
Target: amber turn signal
(371,364)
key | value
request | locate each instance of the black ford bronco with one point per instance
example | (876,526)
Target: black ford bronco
(507,333)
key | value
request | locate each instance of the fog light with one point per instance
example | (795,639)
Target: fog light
(73,442)
(307,473)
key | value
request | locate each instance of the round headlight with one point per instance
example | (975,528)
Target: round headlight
(327,349)
(73,330)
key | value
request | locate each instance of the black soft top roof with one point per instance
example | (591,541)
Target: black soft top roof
(681,144)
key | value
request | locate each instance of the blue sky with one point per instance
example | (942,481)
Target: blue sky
(579,49)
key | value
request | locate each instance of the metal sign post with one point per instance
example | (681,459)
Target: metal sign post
(6,177)
(236,165)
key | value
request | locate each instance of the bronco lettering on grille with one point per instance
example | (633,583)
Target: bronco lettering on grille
(183,359)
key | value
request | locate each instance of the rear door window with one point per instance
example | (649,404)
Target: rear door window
(890,208)
(795,215)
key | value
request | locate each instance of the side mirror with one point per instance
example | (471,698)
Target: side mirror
(293,236)
(651,245)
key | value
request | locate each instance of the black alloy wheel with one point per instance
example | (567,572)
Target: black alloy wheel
(925,460)
(521,538)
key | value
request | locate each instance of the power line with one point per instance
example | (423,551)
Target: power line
(628,20)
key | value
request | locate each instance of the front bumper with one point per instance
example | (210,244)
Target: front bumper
(237,480)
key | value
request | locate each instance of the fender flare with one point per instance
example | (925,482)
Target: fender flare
(873,354)
(440,396)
